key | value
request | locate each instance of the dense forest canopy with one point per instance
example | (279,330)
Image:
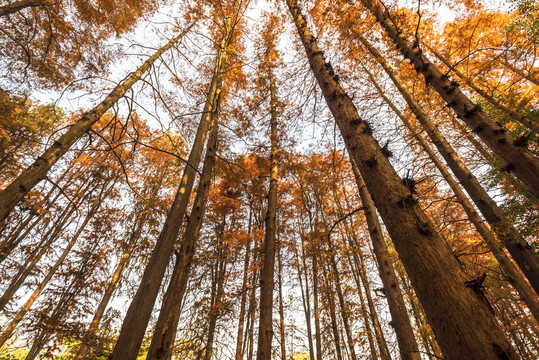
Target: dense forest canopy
(241,179)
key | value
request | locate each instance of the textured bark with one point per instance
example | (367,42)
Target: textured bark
(23,4)
(520,161)
(399,316)
(519,249)
(463,323)
(165,329)
(531,125)
(139,312)
(265,331)
(18,188)
(507,266)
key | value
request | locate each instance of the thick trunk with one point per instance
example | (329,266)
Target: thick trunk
(399,316)
(18,188)
(520,161)
(510,271)
(265,331)
(463,323)
(140,309)
(169,315)
(521,251)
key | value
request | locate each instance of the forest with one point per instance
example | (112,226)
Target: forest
(269,179)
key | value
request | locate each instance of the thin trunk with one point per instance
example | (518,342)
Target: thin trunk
(530,76)
(344,311)
(332,314)
(520,160)
(318,335)
(18,188)
(165,329)
(243,302)
(140,309)
(282,328)
(306,302)
(464,325)
(531,125)
(23,4)
(265,331)
(517,246)
(85,348)
(215,310)
(399,316)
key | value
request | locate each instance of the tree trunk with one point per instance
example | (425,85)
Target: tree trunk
(18,188)
(510,271)
(139,312)
(463,323)
(243,301)
(520,161)
(530,76)
(531,125)
(399,316)
(265,331)
(318,335)
(165,329)
(521,251)
(306,302)
(331,303)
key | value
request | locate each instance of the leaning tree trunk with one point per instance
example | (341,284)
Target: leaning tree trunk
(521,251)
(510,270)
(399,316)
(463,323)
(165,329)
(523,120)
(18,188)
(520,161)
(139,312)
(265,330)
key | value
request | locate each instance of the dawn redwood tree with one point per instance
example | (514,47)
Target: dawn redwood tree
(519,160)
(463,324)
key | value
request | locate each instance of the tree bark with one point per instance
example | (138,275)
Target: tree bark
(531,125)
(463,323)
(520,161)
(265,331)
(243,301)
(165,329)
(519,249)
(399,316)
